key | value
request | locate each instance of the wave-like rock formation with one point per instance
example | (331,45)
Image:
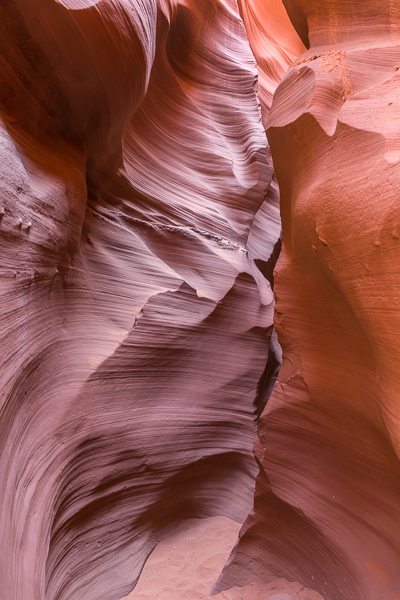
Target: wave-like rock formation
(139,229)
(274,43)
(327,500)
(135,322)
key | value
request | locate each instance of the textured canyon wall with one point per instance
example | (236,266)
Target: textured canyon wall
(135,323)
(327,500)
(139,226)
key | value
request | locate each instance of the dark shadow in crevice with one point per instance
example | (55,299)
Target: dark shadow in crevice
(267,380)
(267,266)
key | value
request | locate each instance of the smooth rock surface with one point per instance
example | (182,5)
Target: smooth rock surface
(327,500)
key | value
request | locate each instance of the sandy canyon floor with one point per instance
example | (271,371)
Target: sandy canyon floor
(188,561)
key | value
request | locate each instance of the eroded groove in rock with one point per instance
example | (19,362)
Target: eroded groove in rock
(327,498)
(134,198)
(274,42)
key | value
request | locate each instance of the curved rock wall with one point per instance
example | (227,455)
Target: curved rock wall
(328,494)
(135,323)
(139,228)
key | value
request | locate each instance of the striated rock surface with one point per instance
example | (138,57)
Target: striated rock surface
(134,321)
(327,496)
(274,42)
(139,229)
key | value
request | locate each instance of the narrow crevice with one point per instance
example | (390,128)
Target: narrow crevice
(267,380)
(267,266)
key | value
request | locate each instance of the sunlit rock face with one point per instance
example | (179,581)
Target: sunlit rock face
(274,43)
(327,501)
(135,323)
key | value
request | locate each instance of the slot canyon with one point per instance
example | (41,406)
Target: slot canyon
(200,299)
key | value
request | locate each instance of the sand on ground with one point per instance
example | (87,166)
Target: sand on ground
(188,561)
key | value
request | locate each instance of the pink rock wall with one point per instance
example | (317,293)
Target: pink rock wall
(134,322)
(328,493)
(139,228)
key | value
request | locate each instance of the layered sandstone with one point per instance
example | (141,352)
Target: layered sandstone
(135,323)
(328,494)
(139,227)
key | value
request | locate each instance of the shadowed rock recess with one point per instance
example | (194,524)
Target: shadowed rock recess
(139,232)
